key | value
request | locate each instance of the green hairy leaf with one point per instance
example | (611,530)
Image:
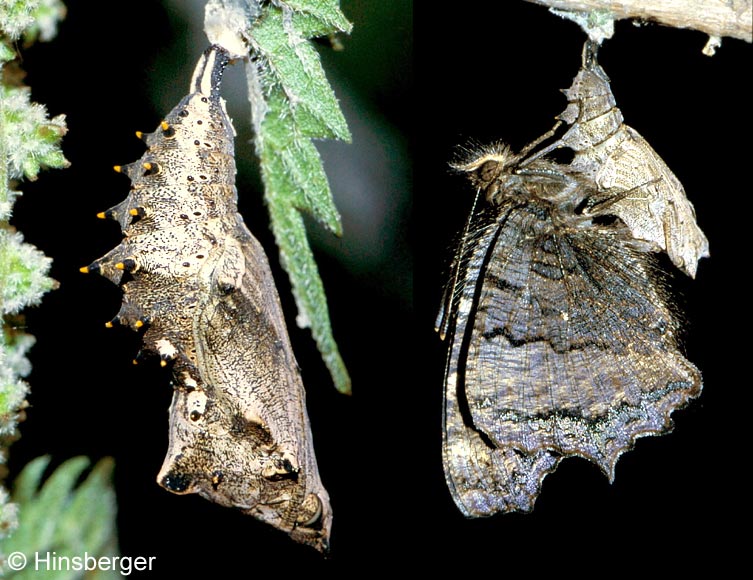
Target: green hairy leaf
(58,516)
(293,103)
(29,142)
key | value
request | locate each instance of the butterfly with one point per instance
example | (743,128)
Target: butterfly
(563,341)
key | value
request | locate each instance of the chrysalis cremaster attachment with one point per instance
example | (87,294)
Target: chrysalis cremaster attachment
(562,339)
(201,285)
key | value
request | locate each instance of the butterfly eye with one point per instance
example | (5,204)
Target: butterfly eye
(488,171)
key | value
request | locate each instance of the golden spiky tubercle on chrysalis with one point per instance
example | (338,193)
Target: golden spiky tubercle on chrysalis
(128,264)
(163,136)
(108,214)
(163,131)
(125,213)
(136,170)
(104,268)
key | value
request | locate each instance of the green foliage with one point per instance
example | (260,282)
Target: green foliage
(16,16)
(13,390)
(23,273)
(291,104)
(59,517)
(30,19)
(29,142)
(13,393)
(297,105)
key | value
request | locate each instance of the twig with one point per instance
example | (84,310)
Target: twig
(717,18)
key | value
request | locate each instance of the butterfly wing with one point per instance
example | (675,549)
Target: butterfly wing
(483,478)
(564,345)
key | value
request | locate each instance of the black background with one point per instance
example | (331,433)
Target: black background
(484,72)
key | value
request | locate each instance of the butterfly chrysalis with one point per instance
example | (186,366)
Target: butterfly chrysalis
(199,283)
